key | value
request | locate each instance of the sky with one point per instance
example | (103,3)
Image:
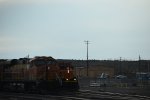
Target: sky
(58,28)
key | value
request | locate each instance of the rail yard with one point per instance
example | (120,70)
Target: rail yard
(44,78)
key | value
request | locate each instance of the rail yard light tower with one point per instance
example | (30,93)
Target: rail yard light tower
(87,62)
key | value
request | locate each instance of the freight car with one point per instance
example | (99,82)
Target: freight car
(40,74)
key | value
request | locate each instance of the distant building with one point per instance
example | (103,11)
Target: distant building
(94,71)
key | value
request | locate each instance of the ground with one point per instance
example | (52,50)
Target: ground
(85,84)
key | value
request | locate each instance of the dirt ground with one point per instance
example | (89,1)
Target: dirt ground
(85,84)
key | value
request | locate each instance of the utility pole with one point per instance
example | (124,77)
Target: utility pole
(139,69)
(148,67)
(121,66)
(87,62)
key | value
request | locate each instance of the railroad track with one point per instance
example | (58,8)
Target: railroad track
(79,95)
(22,96)
(110,96)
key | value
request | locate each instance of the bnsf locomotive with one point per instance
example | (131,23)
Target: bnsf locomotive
(36,75)
(67,75)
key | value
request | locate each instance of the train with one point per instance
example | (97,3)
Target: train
(39,74)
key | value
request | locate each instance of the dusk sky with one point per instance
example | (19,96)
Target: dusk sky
(58,28)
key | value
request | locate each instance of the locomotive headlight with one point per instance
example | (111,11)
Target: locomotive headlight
(74,79)
(67,79)
(48,68)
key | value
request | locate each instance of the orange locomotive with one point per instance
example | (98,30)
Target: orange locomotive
(38,75)
(68,76)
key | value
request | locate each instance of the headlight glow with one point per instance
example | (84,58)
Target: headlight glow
(67,79)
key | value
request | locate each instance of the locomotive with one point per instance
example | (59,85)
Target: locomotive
(39,74)
(68,76)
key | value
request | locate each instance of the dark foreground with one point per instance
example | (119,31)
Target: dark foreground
(113,86)
(78,95)
(90,89)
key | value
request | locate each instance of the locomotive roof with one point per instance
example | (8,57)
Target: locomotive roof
(42,58)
